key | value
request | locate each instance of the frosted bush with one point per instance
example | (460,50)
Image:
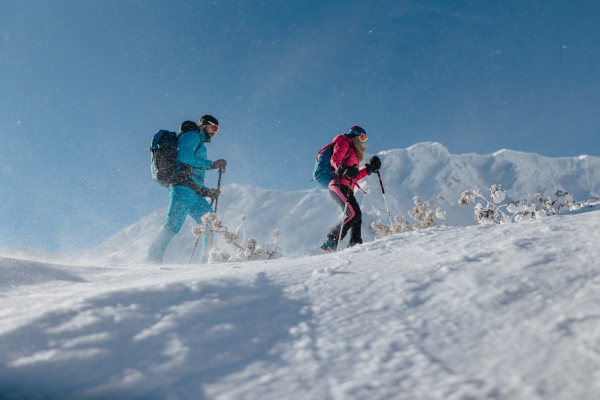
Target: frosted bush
(440,214)
(485,215)
(401,225)
(564,201)
(498,194)
(215,256)
(514,207)
(246,249)
(423,214)
(382,229)
(526,216)
(489,213)
(467,197)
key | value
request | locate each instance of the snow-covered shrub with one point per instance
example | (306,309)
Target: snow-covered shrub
(246,250)
(520,210)
(382,229)
(498,194)
(564,201)
(485,215)
(488,214)
(423,214)
(466,197)
(254,252)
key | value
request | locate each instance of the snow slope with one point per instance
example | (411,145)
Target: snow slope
(476,312)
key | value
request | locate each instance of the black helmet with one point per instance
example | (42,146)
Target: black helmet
(187,126)
(208,120)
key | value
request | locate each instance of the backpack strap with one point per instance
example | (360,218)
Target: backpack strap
(187,169)
(185,179)
(199,139)
(199,144)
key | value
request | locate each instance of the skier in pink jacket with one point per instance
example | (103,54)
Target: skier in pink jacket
(348,152)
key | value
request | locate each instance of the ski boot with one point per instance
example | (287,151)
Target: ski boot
(329,245)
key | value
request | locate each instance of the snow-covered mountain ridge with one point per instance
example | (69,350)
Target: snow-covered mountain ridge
(427,170)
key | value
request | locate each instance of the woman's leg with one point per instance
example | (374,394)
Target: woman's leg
(344,197)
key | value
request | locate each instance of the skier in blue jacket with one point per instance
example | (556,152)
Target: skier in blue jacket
(187,194)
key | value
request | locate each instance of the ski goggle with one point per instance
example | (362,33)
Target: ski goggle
(358,132)
(214,126)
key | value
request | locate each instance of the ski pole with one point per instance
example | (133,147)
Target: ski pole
(218,188)
(343,218)
(383,192)
(194,250)
(212,234)
(211,203)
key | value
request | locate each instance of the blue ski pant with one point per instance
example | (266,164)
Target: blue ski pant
(183,201)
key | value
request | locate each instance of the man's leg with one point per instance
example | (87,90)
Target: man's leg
(175,218)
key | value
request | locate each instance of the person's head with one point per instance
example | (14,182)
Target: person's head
(358,132)
(187,126)
(358,136)
(209,125)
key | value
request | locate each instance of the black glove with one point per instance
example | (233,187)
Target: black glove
(221,164)
(374,165)
(349,172)
(211,193)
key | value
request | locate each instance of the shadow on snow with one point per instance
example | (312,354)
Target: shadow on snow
(151,342)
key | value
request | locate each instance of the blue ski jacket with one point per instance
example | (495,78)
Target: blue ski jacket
(192,151)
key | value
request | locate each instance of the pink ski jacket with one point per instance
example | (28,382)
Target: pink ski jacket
(343,153)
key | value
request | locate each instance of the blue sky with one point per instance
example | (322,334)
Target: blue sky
(85,84)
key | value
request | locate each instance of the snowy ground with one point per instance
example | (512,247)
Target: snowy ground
(508,312)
